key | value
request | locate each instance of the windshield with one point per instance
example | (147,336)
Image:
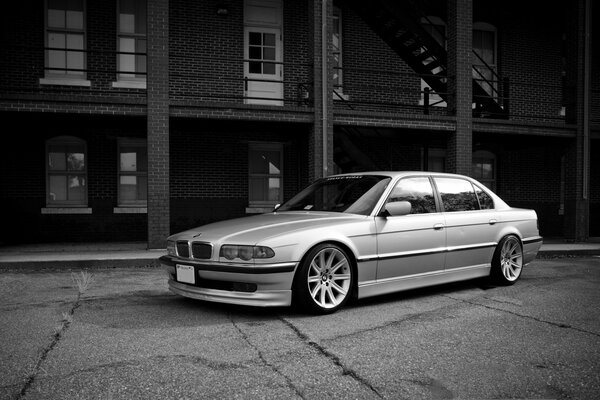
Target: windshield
(354,194)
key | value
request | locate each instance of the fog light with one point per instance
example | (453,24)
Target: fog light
(244,287)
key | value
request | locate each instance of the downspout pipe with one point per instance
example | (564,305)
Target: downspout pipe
(586,99)
(324,85)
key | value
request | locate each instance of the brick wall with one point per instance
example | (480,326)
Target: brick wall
(209,169)
(530,51)
(529,176)
(22,54)
(373,73)
(23,180)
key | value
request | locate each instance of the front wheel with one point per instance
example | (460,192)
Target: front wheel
(507,262)
(325,279)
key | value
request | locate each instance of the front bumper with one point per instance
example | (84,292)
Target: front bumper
(265,285)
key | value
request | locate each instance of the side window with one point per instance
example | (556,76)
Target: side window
(66,172)
(65,39)
(418,192)
(265,174)
(131,58)
(457,194)
(337,50)
(485,201)
(133,173)
(484,168)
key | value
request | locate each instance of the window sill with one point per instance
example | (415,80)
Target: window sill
(65,82)
(130,210)
(129,84)
(66,210)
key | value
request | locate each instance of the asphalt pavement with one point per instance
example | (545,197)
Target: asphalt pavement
(118,333)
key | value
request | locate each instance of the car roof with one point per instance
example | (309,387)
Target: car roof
(395,174)
(499,202)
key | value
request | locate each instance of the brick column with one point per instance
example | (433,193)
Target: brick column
(158,123)
(460,85)
(320,142)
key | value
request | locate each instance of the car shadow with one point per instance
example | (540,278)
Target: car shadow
(415,294)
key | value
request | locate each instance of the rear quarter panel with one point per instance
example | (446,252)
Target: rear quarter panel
(524,224)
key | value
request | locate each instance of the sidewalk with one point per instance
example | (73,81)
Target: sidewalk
(136,254)
(78,256)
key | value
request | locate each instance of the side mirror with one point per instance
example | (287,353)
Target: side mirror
(397,208)
(276,207)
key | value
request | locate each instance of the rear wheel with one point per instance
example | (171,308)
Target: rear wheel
(325,279)
(507,262)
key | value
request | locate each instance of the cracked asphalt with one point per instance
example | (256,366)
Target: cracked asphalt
(126,336)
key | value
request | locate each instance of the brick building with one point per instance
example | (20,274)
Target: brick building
(146,117)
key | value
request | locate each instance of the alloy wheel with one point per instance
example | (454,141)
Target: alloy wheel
(329,278)
(511,259)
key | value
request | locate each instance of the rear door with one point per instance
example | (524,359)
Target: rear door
(471,223)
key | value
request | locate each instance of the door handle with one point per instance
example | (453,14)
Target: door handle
(493,222)
(437,227)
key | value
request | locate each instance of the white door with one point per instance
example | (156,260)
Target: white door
(263,71)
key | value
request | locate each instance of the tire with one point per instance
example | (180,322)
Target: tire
(325,279)
(507,263)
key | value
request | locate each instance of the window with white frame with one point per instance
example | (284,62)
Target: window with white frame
(484,57)
(338,84)
(131,57)
(133,172)
(265,174)
(66,172)
(65,39)
(484,168)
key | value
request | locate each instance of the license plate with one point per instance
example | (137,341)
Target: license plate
(185,274)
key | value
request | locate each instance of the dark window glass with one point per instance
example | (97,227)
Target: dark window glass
(418,192)
(485,200)
(457,194)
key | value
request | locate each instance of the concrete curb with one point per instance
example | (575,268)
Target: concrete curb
(55,265)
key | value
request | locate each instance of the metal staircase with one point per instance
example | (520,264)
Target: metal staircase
(398,23)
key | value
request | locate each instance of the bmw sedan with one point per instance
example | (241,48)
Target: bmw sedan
(354,236)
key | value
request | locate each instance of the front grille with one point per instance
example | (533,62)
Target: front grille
(201,250)
(183,249)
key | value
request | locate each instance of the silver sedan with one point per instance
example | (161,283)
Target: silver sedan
(355,236)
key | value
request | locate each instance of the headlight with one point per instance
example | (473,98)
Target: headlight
(171,248)
(246,253)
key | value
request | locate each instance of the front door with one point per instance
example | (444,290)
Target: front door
(411,246)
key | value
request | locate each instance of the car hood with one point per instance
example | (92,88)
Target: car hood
(254,229)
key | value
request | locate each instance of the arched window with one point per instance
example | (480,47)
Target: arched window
(66,172)
(484,168)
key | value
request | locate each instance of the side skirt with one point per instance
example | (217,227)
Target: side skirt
(391,285)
